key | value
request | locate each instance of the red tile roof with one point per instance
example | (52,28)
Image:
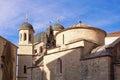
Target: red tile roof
(113,34)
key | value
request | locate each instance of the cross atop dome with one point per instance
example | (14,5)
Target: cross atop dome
(80,21)
(26,17)
(58,20)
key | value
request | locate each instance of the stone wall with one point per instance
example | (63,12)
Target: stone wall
(75,69)
(7,60)
(95,69)
(116,61)
(70,65)
(2,43)
(24,60)
(37,73)
(25,49)
(117,72)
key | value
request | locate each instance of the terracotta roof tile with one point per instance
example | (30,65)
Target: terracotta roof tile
(113,34)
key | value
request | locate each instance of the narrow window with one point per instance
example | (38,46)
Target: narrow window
(41,49)
(59,65)
(25,37)
(25,69)
(63,38)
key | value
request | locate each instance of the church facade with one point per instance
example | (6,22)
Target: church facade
(80,52)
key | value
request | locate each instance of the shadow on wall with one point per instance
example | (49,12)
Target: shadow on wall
(94,66)
(63,65)
(38,73)
(7,59)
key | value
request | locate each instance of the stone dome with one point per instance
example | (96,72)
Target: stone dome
(58,27)
(26,26)
(40,37)
(80,32)
(80,25)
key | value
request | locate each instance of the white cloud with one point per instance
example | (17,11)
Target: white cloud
(40,12)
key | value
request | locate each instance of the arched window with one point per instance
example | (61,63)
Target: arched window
(25,37)
(59,65)
(29,37)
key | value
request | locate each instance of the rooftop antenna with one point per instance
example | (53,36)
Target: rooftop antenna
(26,17)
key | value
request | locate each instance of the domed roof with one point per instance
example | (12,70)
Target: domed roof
(40,37)
(26,26)
(57,27)
(80,25)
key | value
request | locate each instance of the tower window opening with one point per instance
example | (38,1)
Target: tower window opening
(25,36)
(59,65)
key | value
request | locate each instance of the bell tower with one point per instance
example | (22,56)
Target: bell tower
(25,51)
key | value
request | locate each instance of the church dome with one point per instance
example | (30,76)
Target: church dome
(58,27)
(80,32)
(40,37)
(80,25)
(26,26)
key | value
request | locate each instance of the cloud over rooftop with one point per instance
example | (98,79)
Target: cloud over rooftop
(40,12)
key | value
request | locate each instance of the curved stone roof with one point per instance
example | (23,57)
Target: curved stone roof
(58,27)
(80,25)
(101,51)
(26,26)
(40,37)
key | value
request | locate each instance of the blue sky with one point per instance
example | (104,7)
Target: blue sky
(104,14)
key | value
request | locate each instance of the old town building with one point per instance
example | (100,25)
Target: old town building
(79,52)
(8,53)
